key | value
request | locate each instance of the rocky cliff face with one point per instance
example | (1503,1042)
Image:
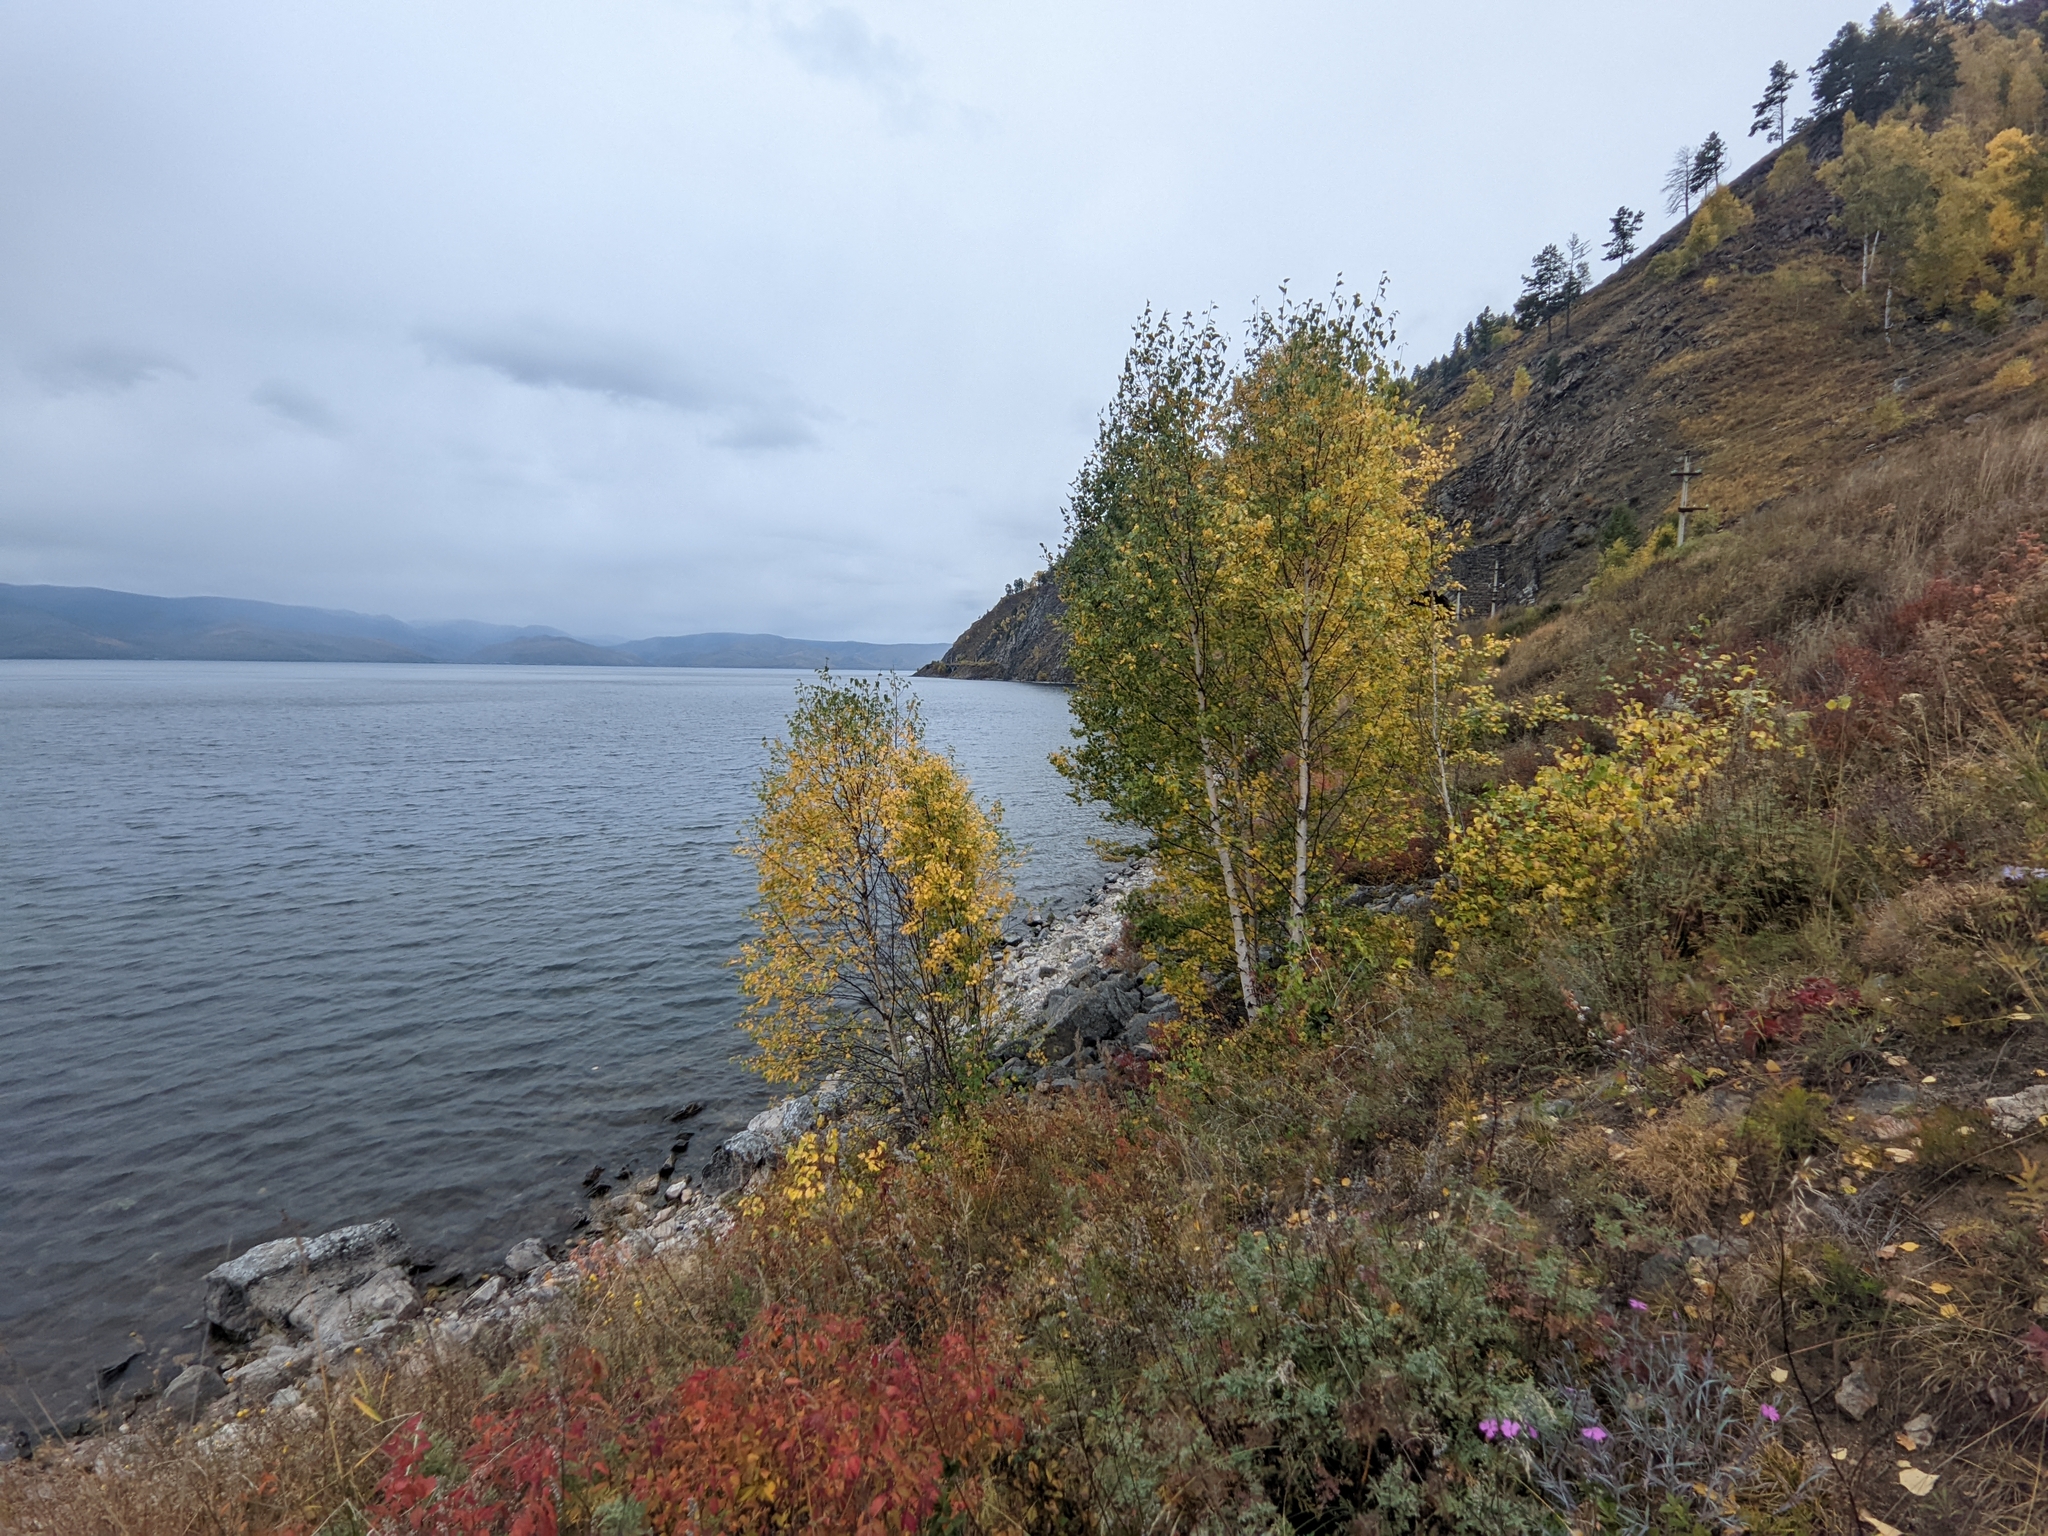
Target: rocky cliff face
(1017,641)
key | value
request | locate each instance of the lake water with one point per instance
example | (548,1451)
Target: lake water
(284,947)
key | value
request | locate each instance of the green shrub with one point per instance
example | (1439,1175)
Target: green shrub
(1332,1376)
(1789,1122)
(1621,527)
(1951,1138)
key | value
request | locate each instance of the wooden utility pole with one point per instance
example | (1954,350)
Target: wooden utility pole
(1685,474)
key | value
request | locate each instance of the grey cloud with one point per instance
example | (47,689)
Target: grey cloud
(769,432)
(297,406)
(757,417)
(543,357)
(104,369)
(837,42)
(723,314)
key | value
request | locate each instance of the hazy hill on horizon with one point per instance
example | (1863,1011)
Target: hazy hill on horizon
(95,623)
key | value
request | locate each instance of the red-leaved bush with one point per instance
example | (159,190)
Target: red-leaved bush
(1782,1017)
(809,1428)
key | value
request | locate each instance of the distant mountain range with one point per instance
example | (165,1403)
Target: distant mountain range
(91,623)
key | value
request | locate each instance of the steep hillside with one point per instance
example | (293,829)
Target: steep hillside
(551,651)
(1768,363)
(1018,640)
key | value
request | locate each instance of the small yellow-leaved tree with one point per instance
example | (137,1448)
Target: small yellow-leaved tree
(1546,857)
(883,885)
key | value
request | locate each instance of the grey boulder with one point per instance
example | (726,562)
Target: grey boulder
(193,1388)
(526,1256)
(266,1285)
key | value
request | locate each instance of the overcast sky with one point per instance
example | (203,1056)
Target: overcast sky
(651,316)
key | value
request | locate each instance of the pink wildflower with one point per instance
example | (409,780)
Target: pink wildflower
(1594,1433)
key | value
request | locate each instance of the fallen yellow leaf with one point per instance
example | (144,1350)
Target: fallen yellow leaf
(1748,1217)
(1939,1287)
(1877,1526)
(1918,1483)
(1909,1247)
(1949,1309)
(1780,1375)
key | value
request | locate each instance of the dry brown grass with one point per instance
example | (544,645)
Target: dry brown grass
(1683,1163)
(1806,575)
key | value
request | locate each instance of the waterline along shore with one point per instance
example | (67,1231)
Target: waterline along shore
(297,1319)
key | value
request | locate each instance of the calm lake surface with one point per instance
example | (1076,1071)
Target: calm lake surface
(284,947)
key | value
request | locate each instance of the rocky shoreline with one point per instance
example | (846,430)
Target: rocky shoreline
(284,1318)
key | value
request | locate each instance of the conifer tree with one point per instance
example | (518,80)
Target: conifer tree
(1542,289)
(1770,111)
(1622,230)
(1897,59)
(1707,164)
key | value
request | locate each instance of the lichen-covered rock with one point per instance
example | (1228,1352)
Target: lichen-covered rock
(2017,1113)
(337,1318)
(263,1286)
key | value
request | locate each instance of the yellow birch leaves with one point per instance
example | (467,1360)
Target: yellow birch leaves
(883,886)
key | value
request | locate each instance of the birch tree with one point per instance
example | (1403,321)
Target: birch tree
(1150,575)
(883,885)
(1339,566)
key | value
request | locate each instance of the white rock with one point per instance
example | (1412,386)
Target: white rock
(526,1256)
(335,1321)
(2017,1113)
